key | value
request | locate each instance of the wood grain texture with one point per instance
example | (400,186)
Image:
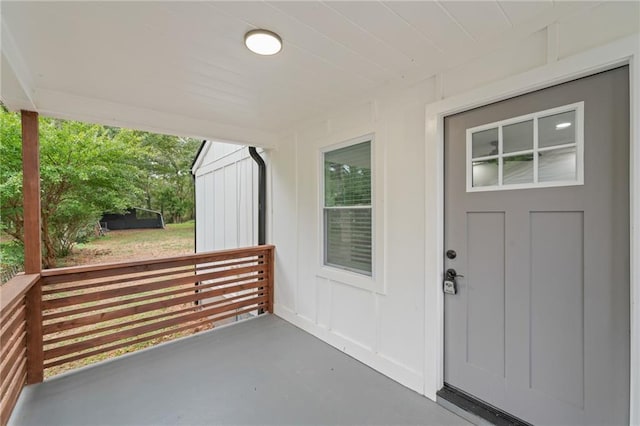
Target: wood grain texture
(183,272)
(32,241)
(139,340)
(124,291)
(58,288)
(12,322)
(136,331)
(185,289)
(10,398)
(13,341)
(270,279)
(13,346)
(77,273)
(13,367)
(13,291)
(33,303)
(135,310)
(189,270)
(31,192)
(90,310)
(117,326)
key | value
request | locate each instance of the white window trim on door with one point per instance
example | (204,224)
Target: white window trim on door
(625,51)
(578,107)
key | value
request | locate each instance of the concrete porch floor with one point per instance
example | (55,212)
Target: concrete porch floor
(260,371)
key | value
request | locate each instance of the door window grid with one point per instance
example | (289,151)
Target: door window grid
(562,156)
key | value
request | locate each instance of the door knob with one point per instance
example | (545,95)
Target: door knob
(451,273)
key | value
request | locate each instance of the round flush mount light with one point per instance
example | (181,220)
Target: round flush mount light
(263,42)
(560,126)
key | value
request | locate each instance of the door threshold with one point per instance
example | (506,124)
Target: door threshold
(474,410)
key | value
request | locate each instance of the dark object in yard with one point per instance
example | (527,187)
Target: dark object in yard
(135,218)
(99,230)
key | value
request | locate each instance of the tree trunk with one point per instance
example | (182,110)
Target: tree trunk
(49,258)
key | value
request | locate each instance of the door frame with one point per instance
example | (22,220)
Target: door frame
(625,51)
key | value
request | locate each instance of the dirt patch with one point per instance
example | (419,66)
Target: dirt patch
(129,245)
(135,244)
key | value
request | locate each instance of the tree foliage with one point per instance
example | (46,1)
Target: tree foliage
(347,174)
(166,180)
(87,170)
(83,172)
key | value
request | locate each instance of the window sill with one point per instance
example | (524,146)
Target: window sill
(354,279)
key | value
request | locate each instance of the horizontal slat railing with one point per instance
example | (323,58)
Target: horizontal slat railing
(90,312)
(13,341)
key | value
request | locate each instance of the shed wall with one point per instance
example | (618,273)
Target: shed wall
(226,182)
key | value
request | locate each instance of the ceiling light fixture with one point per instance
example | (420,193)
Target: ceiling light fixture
(263,42)
(560,126)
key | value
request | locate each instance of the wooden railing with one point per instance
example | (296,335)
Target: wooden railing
(13,340)
(92,310)
(84,314)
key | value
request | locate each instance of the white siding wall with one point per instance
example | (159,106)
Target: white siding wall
(226,198)
(386,329)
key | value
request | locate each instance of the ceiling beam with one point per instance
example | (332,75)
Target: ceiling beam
(91,110)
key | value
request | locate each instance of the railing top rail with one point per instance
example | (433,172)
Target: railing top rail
(209,256)
(15,288)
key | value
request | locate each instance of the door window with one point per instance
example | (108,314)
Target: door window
(536,150)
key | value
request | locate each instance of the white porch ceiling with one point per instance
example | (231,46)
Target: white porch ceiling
(182,68)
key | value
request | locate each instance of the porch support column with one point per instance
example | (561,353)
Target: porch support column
(32,242)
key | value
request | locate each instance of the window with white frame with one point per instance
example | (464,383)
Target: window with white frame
(347,207)
(536,150)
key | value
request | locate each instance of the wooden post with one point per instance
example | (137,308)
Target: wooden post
(270,280)
(31,193)
(261,261)
(32,242)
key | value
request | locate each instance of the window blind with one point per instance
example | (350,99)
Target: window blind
(347,208)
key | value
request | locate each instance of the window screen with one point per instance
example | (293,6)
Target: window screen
(347,208)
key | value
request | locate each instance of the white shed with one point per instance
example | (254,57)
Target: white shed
(226,186)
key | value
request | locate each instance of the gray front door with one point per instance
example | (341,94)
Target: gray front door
(539,327)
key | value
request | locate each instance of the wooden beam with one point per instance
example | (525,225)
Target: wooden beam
(15,289)
(35,353)
(31,193)
(32,242)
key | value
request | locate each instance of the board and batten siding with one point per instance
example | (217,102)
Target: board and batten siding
(226,182)
(393,325)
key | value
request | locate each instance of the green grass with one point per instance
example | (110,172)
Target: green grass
(181,232)
(185,226)
(116,246)
(135,244)
(127,245)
